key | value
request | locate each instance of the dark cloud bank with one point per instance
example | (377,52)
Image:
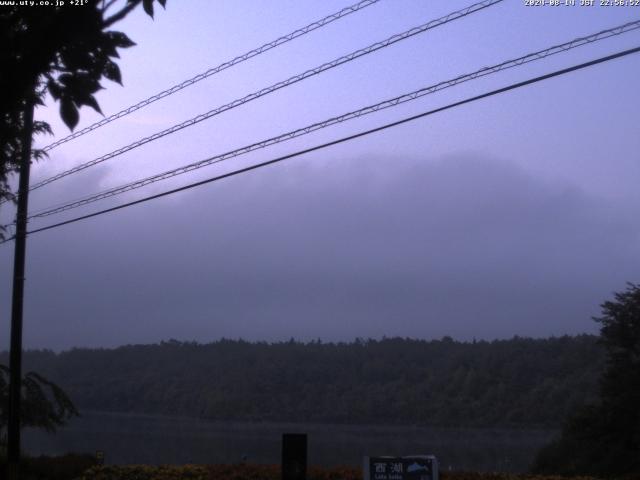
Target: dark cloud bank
(461,246)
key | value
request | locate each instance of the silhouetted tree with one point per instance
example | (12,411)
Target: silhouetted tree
(44,404)
(64,51)
(517,382)
(604,439)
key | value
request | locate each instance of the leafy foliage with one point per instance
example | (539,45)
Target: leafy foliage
(441,382)
(603,439)
(61,51)
(44,404)
(146,472)
(266,472)
(64,467)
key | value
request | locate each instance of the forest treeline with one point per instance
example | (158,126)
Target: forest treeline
(517,382)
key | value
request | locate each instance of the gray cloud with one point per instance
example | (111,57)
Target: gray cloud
(463,245)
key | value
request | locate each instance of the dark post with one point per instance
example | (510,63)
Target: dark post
(15,356)
(294,456)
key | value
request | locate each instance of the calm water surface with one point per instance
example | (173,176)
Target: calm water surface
(151,439)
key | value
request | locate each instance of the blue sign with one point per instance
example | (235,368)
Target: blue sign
(415,467)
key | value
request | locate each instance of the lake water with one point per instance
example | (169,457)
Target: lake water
(152,439)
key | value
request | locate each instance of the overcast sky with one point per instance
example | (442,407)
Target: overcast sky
(514,215)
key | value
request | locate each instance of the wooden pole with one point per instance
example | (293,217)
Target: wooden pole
(15,355)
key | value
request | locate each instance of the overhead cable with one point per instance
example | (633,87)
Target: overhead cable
(344,139)
(277,86)
(601,35)
(212,71)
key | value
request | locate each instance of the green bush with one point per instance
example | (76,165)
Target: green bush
(65,467)
(145,472)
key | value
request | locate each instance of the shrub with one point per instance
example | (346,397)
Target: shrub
(146,472)
(64,467)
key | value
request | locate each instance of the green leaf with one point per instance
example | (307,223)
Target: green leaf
(148,7)
(108,46)
(39,154)
(88,100)
(42,127)
(112,72)
(66,79)
(69,113)
(76,57)
(91,101)
(54,89)
(119,39)
(80,84)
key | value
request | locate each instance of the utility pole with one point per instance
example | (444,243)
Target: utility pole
(15,356)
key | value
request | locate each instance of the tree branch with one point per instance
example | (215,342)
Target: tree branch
(116,17)
(106,6)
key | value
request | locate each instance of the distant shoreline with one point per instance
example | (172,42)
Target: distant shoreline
(319,425)
(129,438)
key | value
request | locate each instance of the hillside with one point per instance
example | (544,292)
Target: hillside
(517,382)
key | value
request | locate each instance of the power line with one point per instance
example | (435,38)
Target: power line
(212,71)
(12,237)
(581,41)
(277,86)
(6,228)
(345,139)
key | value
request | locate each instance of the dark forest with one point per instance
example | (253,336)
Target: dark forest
(519,382)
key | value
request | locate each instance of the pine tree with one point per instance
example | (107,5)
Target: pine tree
(604,439)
